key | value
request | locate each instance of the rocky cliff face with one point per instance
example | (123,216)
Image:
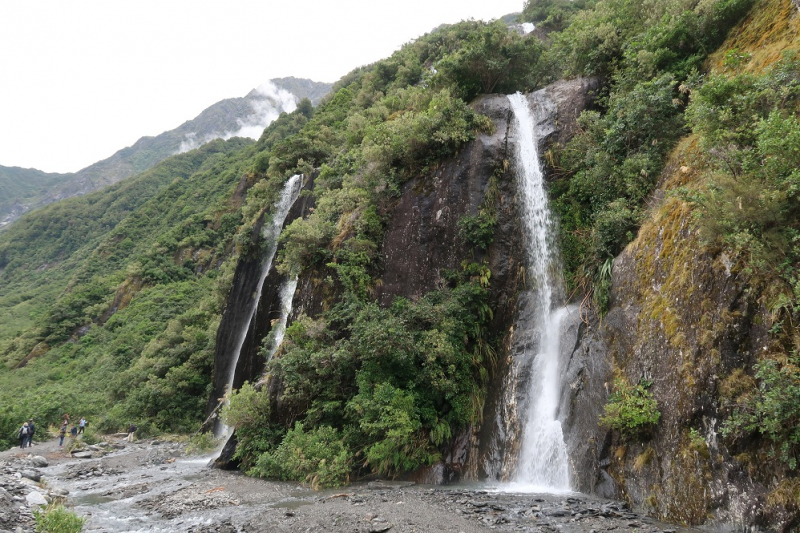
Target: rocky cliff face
(421,241)
(234,318)
(685,318)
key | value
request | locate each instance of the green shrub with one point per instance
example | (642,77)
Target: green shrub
(631,410)
(318,457)
(201,443)
(57,519)
(773,410)
(477,230)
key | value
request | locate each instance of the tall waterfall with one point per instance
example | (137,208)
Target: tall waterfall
(542,462)
(269,233)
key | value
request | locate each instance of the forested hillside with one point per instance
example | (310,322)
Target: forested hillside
(110,304)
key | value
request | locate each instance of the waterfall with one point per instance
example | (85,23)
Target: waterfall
(269,234)
(279,328)
(542,461)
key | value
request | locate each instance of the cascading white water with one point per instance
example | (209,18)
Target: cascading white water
(542,463)
(269,234)
(279,329)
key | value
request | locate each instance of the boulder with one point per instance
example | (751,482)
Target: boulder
(38,461)
(35,498)
(33,475)
(82,455)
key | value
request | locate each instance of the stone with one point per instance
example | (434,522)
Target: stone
(33,475)
(82,455)
(36,498)
(38,461)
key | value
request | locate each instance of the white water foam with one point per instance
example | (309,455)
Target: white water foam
(542,464)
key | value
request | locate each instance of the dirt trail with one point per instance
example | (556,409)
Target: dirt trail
(152,486)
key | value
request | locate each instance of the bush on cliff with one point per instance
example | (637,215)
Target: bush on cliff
(631,410)
(772,410)
(749,206)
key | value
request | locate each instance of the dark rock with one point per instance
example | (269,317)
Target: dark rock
(33,475)
(38,461)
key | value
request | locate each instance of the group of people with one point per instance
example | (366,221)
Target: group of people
(75,431)
(28,429)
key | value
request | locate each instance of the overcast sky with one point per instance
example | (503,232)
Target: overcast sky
(81,79)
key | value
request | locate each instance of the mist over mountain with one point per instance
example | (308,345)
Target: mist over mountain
(24,189)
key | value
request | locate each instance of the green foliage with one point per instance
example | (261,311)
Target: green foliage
(201,443)
(551,15)
(773,410)
(645,38)
(749,130)
(111,306)
(612,167)
(649,52)
(248,411)
(57,519)
(631,410)
(488,59)
(477,230)
(406,378)
(318,457)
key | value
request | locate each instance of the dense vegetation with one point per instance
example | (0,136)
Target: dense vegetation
(116,315)
(749,206)
(23,186)
(109,307)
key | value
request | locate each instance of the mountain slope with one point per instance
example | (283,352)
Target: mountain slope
(246,117)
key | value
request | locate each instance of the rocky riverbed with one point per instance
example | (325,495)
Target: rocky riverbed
(152,486)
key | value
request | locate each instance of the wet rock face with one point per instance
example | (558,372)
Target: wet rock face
(422,239)
(685,319)
(245,280)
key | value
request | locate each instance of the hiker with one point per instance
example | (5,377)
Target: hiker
(31,431)
(62,433)
(131,430)
(23,435)
(74,431)
(81,425)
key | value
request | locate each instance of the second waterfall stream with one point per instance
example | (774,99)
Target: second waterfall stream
(269,234)
(542,463)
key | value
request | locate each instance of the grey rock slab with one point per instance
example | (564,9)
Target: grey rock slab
(82,455)
(36,498)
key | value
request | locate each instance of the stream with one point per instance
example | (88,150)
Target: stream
(151,486)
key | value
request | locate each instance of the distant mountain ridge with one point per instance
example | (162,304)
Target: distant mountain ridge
(24,189)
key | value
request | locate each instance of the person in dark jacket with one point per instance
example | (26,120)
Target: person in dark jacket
(31,431)
(131,430)
(62,433)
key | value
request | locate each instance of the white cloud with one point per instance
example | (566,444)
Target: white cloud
(88,78)
(267,103)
